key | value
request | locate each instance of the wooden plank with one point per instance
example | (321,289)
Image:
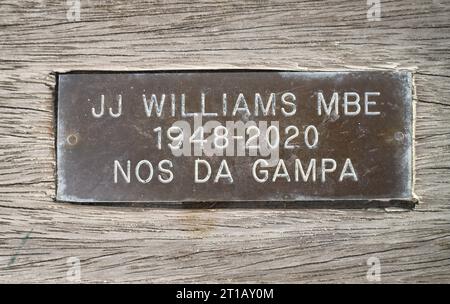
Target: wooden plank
(143,244)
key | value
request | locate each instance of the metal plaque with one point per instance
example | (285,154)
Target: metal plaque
(196,136)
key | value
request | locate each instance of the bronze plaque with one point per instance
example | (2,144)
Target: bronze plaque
(219,136)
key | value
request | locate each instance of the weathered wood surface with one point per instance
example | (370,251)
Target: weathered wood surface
(143,244)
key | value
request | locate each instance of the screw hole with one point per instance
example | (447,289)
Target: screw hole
(399,136)
(72,139)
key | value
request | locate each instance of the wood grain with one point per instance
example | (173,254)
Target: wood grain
(145,244)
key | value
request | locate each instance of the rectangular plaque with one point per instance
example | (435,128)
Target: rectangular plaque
(198,136)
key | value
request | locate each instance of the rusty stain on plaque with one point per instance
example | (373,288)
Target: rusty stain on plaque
(197,136)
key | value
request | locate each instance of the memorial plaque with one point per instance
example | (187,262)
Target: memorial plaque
(200,136)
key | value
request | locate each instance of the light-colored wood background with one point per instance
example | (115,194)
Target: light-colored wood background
(143,244)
